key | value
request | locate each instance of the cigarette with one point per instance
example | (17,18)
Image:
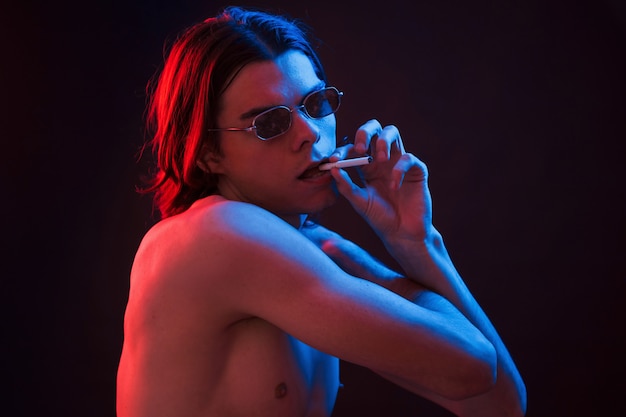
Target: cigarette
(364,160)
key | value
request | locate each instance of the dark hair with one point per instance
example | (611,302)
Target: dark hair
(200,64)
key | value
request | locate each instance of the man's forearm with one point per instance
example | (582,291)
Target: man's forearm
(358,262)
(429,264)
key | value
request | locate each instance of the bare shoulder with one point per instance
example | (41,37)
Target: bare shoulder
(214,250)
(209,222)
(214,231)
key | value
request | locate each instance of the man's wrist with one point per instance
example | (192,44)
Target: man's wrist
(425,260)
(405,247)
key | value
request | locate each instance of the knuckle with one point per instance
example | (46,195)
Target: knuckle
(415,161)
(372,127)
(392,130)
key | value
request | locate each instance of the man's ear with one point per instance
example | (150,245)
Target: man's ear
(210,161)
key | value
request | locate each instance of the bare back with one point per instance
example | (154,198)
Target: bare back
(190,351)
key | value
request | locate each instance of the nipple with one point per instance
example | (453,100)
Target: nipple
(281,390)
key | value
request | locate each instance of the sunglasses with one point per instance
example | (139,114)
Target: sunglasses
(277,120)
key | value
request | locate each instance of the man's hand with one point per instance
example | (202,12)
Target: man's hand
(395,199)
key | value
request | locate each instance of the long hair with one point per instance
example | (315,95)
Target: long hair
(184,101)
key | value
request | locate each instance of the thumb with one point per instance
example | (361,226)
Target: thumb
(341,152)
(355,195)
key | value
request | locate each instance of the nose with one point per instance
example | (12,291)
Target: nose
(316,133)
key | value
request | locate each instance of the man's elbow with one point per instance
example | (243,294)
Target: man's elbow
(475,375)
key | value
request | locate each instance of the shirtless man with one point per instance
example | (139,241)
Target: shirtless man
(239,306)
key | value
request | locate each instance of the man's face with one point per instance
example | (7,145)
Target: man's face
(277,174)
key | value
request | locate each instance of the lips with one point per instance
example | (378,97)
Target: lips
(313,171)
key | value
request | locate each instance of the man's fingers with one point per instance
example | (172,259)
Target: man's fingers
(408,165)
(347,188)
(368,132)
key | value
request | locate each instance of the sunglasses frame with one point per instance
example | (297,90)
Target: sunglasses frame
(301,107)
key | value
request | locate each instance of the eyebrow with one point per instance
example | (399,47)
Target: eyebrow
(253,112)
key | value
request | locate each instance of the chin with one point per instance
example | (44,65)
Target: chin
(322,204)
(324,199)
(314,204)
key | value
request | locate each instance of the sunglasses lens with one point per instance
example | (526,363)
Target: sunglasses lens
(277,120)
(322,103)
(273,122)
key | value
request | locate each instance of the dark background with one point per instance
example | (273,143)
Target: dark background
(517,107)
